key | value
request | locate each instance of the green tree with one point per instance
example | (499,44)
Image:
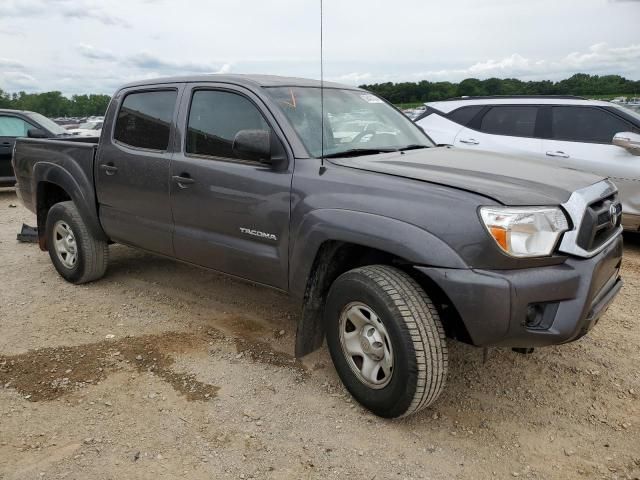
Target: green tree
(579,84)
(55,104)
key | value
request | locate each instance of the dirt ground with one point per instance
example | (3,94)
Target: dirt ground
(162,370)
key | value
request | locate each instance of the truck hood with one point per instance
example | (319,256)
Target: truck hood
(509,180)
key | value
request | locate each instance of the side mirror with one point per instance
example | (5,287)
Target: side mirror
(253,145)
(36,133)
(629,141)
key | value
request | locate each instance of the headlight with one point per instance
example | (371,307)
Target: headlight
(525,231)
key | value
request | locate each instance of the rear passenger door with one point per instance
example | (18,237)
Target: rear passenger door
(507,129)
(230,214)
(132,170)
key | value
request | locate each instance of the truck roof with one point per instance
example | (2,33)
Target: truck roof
(241,79)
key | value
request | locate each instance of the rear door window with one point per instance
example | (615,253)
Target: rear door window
(585,124)
(144,119)
(514,121)
(215,118)
(464,115)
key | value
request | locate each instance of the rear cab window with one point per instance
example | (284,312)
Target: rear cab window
(144,119)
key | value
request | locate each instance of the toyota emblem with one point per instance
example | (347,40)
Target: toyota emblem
(614,215)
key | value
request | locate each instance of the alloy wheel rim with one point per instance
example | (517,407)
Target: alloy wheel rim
(64,244)
(366,345)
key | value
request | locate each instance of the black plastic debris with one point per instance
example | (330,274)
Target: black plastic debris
(28,234)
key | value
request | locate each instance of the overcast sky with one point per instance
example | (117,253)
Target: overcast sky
(92,46)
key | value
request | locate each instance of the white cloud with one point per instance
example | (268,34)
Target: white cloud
(93,53)
(597,59)
(226,68)
(9,63)
(79,46)
(353,78)
(147,62)
(71,9)
(601,56)
(12,81)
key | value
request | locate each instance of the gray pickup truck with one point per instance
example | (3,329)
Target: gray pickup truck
(390,243)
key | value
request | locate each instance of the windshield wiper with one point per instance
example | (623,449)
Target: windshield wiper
(356,152)
(411,147)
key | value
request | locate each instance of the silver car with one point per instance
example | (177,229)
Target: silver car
(587,135)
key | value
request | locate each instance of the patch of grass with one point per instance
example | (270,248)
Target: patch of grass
(612,96)
(403,106)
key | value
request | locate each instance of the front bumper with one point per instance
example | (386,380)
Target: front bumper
(570,298)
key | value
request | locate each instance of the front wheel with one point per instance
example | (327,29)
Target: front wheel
(386,340)
(76,254)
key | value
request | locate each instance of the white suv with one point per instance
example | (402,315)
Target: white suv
(587,135)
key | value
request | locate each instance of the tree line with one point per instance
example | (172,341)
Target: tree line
(55,104)
(580,84)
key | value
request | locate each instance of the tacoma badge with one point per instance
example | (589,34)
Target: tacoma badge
(258,233)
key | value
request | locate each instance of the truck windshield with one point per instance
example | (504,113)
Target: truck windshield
(355,122)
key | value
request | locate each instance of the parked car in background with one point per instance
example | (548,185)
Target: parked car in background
(414,113)
(20,123)
(91,128)
(571,132)
(633,107)
(387,242)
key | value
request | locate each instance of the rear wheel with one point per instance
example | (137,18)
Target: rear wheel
(75,253)
(386,340)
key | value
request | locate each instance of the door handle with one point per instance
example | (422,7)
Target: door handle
(558,154)
(183,180)
(6,144)
(109,169)
(469,141)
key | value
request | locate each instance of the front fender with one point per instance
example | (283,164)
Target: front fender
(398,238)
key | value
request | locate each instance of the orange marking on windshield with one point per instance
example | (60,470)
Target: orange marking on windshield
(293,99)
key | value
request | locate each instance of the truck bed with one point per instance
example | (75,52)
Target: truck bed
(52,158)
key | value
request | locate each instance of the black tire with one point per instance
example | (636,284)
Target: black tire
(92,254)
(412,324)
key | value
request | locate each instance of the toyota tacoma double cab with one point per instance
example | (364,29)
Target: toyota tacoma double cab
(330,194)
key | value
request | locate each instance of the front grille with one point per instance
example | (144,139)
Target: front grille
(601,221)
(591,209)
